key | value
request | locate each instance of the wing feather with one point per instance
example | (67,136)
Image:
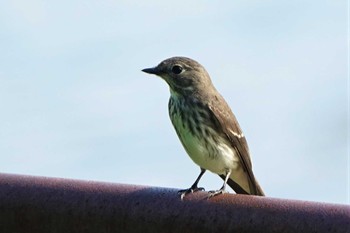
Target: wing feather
(227,123)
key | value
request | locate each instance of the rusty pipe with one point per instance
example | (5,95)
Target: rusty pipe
(38,204)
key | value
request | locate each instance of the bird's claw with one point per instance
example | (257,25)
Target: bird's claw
(184,192)
(214,193)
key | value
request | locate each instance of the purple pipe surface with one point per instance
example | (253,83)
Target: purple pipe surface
(38,204)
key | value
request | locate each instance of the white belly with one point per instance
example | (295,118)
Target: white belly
(218,159)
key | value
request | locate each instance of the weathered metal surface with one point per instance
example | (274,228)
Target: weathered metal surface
(37,204)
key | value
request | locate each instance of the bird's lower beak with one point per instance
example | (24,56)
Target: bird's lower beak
(153,70)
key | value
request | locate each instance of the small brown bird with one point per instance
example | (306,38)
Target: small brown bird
(206,126)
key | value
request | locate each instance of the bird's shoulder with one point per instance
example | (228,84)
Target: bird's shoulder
(223,113)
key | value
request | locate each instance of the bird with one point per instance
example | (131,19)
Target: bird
(206,127)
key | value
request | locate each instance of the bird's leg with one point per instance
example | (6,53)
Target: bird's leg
(193,188)
(222,189)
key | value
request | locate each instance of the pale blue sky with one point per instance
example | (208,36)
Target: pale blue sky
(75,104)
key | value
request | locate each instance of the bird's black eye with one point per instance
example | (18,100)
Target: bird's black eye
(176,69)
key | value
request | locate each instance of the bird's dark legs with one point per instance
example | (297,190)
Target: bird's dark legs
(222,189)
(194,187)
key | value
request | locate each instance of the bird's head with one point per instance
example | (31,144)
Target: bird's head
(183,75)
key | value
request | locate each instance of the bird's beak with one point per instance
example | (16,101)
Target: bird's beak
(153,70)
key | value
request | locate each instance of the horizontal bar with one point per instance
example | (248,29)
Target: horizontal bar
(38,204)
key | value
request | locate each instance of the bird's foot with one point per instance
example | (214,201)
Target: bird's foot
(214,193)
(184,192)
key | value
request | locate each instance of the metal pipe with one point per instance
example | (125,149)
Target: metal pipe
(38,204)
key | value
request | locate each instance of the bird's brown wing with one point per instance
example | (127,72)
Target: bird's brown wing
(227,123)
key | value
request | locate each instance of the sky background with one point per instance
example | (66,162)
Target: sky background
(75,104)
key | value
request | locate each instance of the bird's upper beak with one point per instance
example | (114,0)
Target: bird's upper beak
(153,70)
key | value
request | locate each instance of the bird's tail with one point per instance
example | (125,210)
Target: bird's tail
(258,189)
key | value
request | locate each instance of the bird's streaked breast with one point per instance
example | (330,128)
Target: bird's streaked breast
(192,124)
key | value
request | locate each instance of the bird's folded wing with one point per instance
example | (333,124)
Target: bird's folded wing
(227,123)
